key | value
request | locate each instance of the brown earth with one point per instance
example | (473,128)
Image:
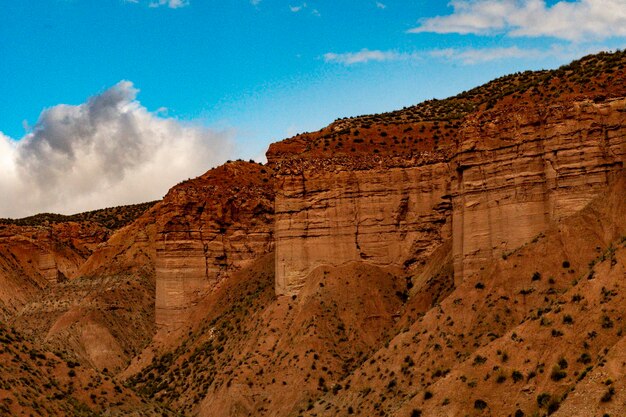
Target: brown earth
(34,381)
(459,257)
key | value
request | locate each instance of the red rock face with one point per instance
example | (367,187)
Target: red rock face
(383,217)
(519,169)
(205,229)
(150,275)
(35,257)
(508,174)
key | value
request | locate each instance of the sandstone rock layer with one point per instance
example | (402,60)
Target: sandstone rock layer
(520,169)
(381,217)
(205,228)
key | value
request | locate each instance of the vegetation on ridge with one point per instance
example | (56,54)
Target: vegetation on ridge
(432,125)
(112,218)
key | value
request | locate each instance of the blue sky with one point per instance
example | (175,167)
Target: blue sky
(259,71)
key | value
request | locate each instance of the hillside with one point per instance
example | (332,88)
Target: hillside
(458,257)
(35,381)
(111,218)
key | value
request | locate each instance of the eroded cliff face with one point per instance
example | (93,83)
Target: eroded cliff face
(33,258)
(206,228)
(104,311)
(519,169)
(372,220)
(150,275)
(504,177)
(384,217)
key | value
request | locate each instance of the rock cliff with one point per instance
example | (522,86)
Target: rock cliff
(384,217)
(520,168)
(33,258)
(151,274)
(390,189)
(206,228)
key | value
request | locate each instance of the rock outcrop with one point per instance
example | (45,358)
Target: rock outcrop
(33,258)
(492,182)
(206,228)
(520,168)
(384,217)
(436,260)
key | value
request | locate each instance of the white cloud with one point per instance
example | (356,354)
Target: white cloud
(108,151)
(366,55)
(476,56)
(172,4)
(580,20)
(255,2)
(296,9)
(471,56)
(468,56)
(381,5)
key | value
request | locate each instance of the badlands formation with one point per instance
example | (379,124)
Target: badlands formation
(459,257)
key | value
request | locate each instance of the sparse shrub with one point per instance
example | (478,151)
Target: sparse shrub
(557,373)
(480,404)
(608,395)
(585,358)
(607,323)
(553,405)
(517,376)
(479,360)
(543,399)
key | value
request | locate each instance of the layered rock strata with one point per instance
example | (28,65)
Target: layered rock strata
(384,217)
(519,169)
(34,257)
(508,174)
(206,228)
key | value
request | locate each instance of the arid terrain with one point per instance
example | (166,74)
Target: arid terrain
(460,257)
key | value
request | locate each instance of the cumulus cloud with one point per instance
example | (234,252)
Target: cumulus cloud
(381,5)
(107,151)
(579,20)
(366,55)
